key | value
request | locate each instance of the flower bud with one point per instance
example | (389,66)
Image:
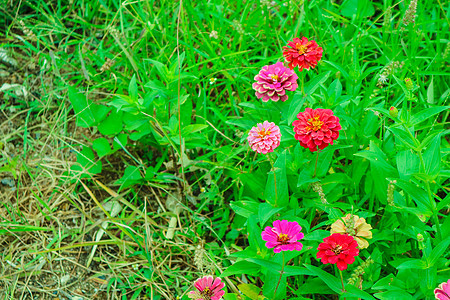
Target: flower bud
(409,84)
(393,112)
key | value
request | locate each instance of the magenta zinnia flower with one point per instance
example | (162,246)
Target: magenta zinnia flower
(302,53)
(283,236)
(265,137)
(316,128)
(443,291)
(339,249)
(273,81)
(208,288)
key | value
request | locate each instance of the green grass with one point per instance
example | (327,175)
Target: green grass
(102,120)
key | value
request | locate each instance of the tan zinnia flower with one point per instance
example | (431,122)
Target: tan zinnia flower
(354,226)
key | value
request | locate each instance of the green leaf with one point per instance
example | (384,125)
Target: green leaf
(82,108)
(230,296)
(295,107)
(419,196)
(101,146)
(426,114)
(407,163)
(112,125)
(430,92)
(397,295)
(245,208)
(413,264)
(276,191)
(331,281)
(314,84)
(130,177)
(432,157)
(438,251)
(133,89)
(242,267)
(402,135)
(266,211)
(250,290)
(354,291)
(86,158)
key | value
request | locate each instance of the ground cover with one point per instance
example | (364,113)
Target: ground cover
(126,170)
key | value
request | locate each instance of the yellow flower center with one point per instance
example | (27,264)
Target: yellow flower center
(263,133)
(274,77)
(301,48)
(314,124)
(337,250)
(283,238)
(206,293)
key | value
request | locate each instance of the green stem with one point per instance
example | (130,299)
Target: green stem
(315,166)
(342,282)
(279,280)
(274,179)
(431,199)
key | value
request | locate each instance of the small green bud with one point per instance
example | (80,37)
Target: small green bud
(420,237)
(409,84)
(393,112)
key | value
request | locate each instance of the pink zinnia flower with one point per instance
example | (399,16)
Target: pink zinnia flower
(265,137)
(443,291)
(339,249)
(302,53)
(283,236)
(273,81)
(316,128)
(208,288)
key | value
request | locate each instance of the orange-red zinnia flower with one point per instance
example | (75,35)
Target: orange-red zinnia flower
(302,53)
(316,129)
(339,249)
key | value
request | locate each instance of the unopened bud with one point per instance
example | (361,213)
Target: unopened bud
(419,237)
(393,112)
(409,84)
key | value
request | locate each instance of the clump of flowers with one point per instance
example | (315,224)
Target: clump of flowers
(273,81)
(359,271)
(316,129)
(339,249)
(410,13)
(355,227)
(443,291)
(208,288)
(388,70)
(283,236)
(302,53)
(265,137)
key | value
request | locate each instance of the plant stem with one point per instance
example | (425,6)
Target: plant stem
(279,280)
(342,282)
(315,166)
(274,179)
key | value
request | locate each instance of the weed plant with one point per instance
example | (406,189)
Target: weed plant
(126,171)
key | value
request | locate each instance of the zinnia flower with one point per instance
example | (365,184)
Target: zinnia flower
(316,128)
(283,236)
(443,291)
(208,288)
(265,137)
(302,53)
(273,81)
(339,249)
(355,227)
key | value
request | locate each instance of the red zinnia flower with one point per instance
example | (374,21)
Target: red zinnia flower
(339,249)
(316,128)
(302,53)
